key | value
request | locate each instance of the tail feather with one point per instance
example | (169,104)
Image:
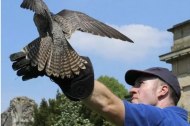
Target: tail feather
(44,52)
(76,62)
(67,65)
(48,67)
(56,60)
(55,64)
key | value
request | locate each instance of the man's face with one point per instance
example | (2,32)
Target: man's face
(145,90)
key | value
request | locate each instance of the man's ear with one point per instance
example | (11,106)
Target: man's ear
(163,91)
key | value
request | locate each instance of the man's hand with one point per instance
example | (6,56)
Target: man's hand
(76,88)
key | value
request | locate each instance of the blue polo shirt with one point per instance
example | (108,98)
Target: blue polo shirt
(147,115)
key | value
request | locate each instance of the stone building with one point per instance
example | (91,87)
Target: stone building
(179,58)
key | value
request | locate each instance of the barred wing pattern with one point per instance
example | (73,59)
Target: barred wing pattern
(58,61)
(73,20)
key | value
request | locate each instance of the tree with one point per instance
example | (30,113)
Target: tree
(113,84)
(40,114)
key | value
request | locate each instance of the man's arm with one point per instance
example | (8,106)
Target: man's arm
(103,101)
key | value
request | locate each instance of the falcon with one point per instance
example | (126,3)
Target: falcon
(51,51)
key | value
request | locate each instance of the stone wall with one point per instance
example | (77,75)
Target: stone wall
(185,88)
(19,113)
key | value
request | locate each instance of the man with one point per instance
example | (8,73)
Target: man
(155,93)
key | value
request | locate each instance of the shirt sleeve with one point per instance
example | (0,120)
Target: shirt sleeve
(142,115)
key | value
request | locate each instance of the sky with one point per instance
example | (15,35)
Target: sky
(145,22)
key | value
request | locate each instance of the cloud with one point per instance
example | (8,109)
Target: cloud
(147,41)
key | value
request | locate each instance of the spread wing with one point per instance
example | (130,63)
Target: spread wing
(42,17)
(38,6)
(73,20)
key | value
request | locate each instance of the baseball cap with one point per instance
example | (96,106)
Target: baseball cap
(162,73)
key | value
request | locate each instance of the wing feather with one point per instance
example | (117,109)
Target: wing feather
(38,6)
(32,51)
(63,61)
(44,52)
(73,20)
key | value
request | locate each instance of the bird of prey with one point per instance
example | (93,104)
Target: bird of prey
(51,51)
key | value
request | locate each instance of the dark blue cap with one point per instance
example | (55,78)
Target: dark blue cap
(162,73)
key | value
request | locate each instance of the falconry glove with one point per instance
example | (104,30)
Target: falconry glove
(80,86)
(76,88)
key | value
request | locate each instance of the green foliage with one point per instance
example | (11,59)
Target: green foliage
(63,112)
(113,84)
(71,114)
(44,114)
